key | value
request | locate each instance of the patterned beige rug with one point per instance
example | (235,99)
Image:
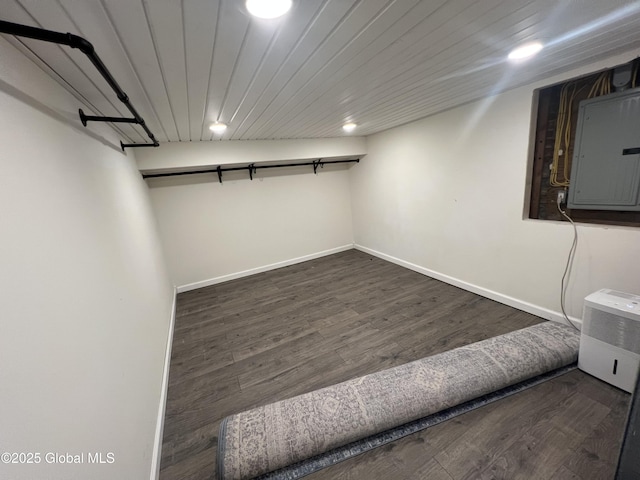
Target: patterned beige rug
(274,436)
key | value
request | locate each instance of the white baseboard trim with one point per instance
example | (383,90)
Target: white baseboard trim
(265,268)
(157,446)
(498,297)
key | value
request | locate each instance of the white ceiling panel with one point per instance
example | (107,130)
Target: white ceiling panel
(201,16)
(282,48)
(231,33)
(313,38)
(129,21)
(369,49)
(380,63)
(342,36)
(165,23)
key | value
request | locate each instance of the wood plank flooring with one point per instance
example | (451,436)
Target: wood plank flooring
(289,331)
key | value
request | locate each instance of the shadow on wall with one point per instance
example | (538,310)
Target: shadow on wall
(68,118)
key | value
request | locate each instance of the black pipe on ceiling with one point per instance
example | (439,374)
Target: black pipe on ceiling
(252,168)
(74,41)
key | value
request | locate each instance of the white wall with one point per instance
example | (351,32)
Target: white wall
(446,196)
(86,299)
(214,232)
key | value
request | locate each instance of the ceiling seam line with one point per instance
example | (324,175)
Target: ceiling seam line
(160,66)
(133,69)
(205,109)
(266,53)
(186,67)
(233,71)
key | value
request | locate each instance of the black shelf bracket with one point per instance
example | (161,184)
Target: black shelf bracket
(92,118)
(252,167)
(127,145)
(74,41)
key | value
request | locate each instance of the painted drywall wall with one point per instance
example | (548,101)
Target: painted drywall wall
(214,232)
(446,196)
(86,298)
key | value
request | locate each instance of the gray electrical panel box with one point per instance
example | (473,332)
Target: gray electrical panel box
(605,171)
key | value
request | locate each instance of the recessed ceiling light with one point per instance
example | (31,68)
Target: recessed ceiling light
(268,8)
(218,127)
(525,51)
(349,127)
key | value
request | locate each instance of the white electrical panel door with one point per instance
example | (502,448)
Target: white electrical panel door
(605,170)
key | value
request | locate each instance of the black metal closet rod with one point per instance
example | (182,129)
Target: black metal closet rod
(250,167)
(74,41)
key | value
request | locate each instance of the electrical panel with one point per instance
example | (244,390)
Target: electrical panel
(605,170)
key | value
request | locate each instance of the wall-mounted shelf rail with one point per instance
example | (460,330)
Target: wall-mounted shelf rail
(74,41)
(250,167)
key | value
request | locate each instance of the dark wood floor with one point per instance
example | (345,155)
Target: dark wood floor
(289,331)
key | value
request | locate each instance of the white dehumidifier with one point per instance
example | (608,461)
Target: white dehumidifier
(610,338)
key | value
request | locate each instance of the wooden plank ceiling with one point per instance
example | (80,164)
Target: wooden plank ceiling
(379,63)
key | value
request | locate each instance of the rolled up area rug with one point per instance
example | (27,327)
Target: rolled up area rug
(274,436)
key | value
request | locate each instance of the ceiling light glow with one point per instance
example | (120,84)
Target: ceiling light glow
(268,8)
(349,127)
(217,127)
(527,50)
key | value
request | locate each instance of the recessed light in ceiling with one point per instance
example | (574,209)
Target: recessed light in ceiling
(268,8)
(527,50)
(217,127)
(349,127)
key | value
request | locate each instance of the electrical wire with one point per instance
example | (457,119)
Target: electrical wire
(560,128)
(567,269)
(568,95)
